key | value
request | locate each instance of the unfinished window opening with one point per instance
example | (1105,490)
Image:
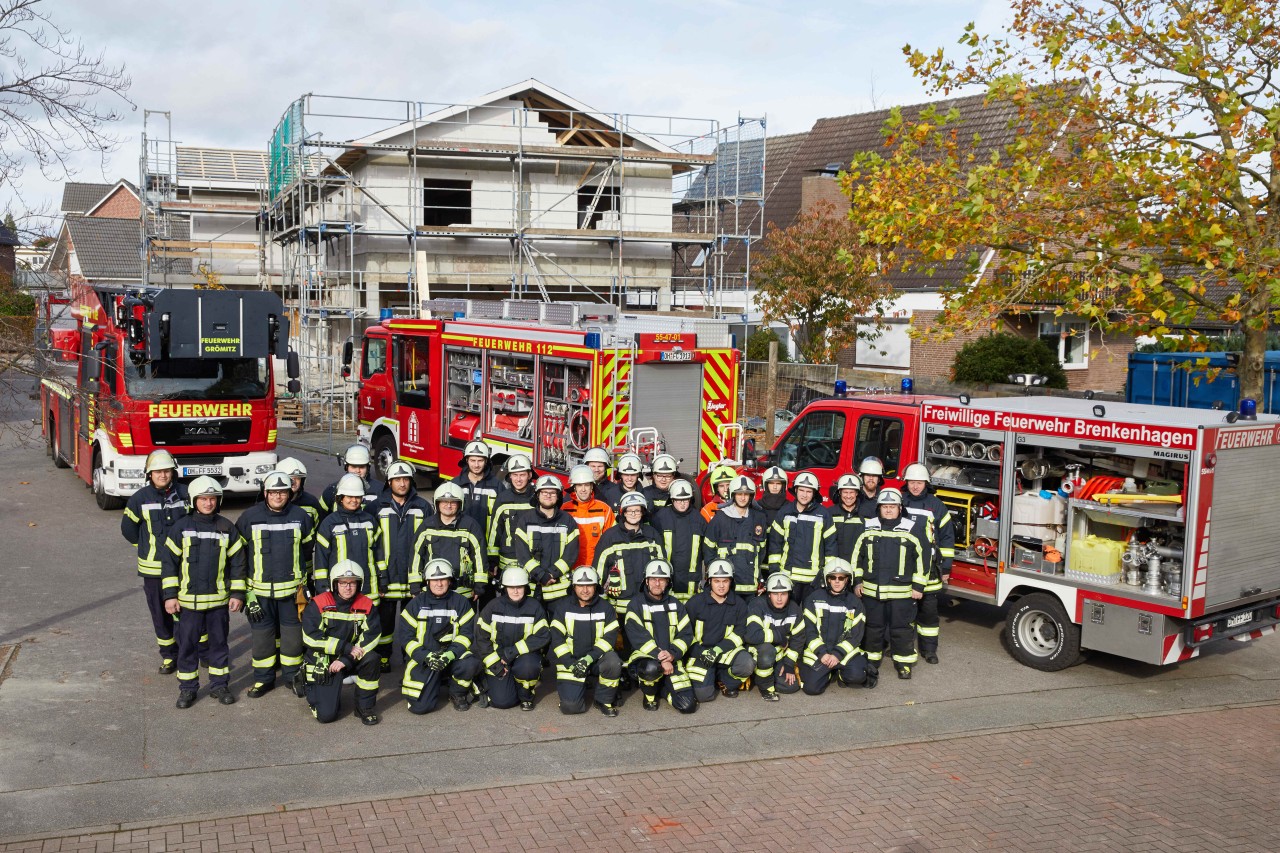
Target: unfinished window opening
(446,202)
(592,210)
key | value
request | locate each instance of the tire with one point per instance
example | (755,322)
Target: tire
(1040,634)
(55,444)
(384,453)
(105,501)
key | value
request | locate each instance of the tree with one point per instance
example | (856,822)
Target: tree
(811,281)
(1140,190)
(993,358)
(758,346)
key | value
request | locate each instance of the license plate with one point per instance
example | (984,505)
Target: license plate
(675,355)
(201,470)
(1239,619)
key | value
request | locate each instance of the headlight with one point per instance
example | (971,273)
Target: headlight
(264,469)
(129,473)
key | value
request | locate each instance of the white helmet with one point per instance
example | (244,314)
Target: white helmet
(681,490)
(629,463)
(778,582)
(581,476)
(160,460)
(836,566)
(399,469)
(449,491)
(916,471)
(657,569)
(631,499)
(292,467)
(476,448)
(871,465)
(438,570)
(548,481)
(720,569)
(805,479)
(849,481)
(518,463)
(515,576)
(356,454)
(742,483)
(889,496)
(277,481)
(665,463)
(584,575)
(345,569)
(202,486)
(774,473)
(596,454)
(350,485)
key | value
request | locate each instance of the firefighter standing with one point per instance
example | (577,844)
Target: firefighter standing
(451,536)
(277,538)
(584,630)
(846,515)
(299,495)
(719,619)
(597,460)
(594,516)
(350,533)
(547,541)
(834,624)
(665,470)
(355,460)
(624,550)
(659,631)
(436,630)
(479,485)
(202,567)
(340,629)
(720,479)
(629,469)
(892,579)
(773,493)
(871,471)
(739,533)
(511,634)
(940,543)
(774,634)
(681,531)
(401,512)
(148,516)
(515,497)
(803,537)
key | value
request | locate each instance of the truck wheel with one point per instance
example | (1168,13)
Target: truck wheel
(1040,635)
(105,501)
(384,453)
(55,444)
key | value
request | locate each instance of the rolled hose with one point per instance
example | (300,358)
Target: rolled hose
(995,452)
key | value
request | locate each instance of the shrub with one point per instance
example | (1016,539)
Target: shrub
(758,346)
(994,357)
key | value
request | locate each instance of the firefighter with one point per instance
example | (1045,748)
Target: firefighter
(846,515)
(547,541)
(515,497)
(278,537)
(773,493)
(721,476)
(892,580)
(202,571)
(719,620)
(739,533)
(629,469)
(665,469)
(148,516)
(584,631)
(871,471)
(355,460)
(479,485)
(299,495)
(511,635)
(597,460)
(803,536)
(436,629)
(340,629)
(624,550)
(681,532)
(451,536)
(659,631)
(774,634)
(401,512)
(834,623)
(350,532)
(594,516)
(940,545)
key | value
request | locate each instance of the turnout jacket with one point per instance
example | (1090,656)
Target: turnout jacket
(868,506)
(346,535)
(771,504)
(547,548)
(801,541)
(890,563)
(833,624)
(781,628)
(579,631)
(849,525)
(506,630)
(682,534)
(332,627)
(148,516)
(621,557)
(277,548)
(478,497)
(939,534)
(594,517)
(310,503)
(502,534)
(608,491)
(717,624)
(202,565)
(658,625)
(372,491)
(460,541)
(399,525)
(431,624)
(741,541)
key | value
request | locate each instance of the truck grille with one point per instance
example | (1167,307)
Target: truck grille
(201,431)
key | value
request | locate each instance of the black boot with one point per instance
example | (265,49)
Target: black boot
(186,699)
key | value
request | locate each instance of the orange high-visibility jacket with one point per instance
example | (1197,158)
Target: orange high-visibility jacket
(594,517)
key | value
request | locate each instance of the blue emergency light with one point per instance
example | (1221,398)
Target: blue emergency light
(907,385)
(842,388)
(1248,409)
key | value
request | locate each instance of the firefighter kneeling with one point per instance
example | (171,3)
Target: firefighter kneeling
(435,630)
(584,631)
(774,635)
(340,630)
(834,623)
(659,630)
(512,634)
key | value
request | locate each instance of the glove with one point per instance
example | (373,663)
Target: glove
(508,653)
(384,580)
(497,670)
(709,656)
(253,610)
(481,589)
(581,668)
(415,589)
(436,662)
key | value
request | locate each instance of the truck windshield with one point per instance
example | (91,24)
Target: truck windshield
(198,379)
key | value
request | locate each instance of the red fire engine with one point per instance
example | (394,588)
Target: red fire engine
(184,370)
(569,378)
(1091,520)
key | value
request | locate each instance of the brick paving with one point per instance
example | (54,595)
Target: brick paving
(1194,781)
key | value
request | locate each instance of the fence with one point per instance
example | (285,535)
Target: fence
(797,385)
(325,408)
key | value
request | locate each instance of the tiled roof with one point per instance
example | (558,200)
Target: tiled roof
(8,238)
(107,248)
(78,197)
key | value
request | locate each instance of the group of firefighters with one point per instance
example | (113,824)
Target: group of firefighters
(615,584)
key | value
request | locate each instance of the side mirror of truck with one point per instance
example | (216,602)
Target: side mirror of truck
(294,386)
(346,371)
(291,365)
(348,350)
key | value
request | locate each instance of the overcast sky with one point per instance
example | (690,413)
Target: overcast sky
(227,70)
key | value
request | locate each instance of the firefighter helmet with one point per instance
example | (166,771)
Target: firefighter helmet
(872,466)
(202,486)
(849,481)
(399,469)
(581,476)
(584,576)
(277,481)
(916,471)
(836,566)
(778,582)
(515,576)
(596,454)
(549,481)
(438,570)
(774,473)
(160,460)
(292,467)
(518,463)
(629,463)
(721,474)
(449,491)
(665,463)
(742,483)
(356,454)
(719,569)
(890,497)
(350,485)
(681,490)
(476,448)
(631,499)
(657,569)
(344,569)
(805,480)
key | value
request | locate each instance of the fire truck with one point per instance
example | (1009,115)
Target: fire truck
(546,379)
(189,371)
(1136,530)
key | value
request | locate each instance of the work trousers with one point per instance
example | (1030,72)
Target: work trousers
(161,621)
(573,690)
(927,623)
(458,675)
(191,628)
(731,669)
(676,688)
(326,699)
(769,670)
(279,619)
(815,677)
(517,684)
(897,615)
(388,616)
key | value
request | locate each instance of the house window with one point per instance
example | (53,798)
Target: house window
(446,202)
(588,216)
(1070,340)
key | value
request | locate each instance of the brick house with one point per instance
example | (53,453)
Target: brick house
(100,241)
